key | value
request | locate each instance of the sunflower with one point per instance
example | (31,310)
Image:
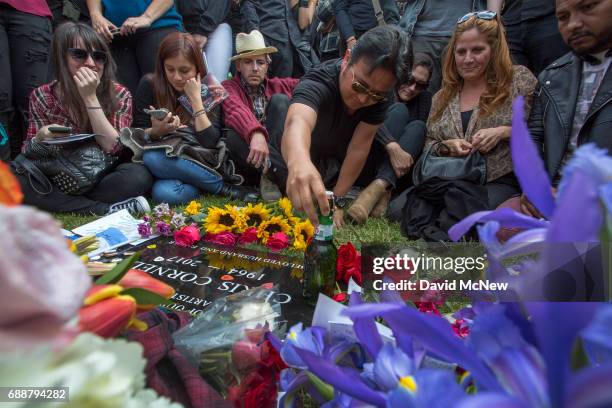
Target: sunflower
(285,205)
(302,233)
(272,225)
(254,215)
(221,220)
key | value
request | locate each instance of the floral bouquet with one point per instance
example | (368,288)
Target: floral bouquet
(274,225)
(227,344)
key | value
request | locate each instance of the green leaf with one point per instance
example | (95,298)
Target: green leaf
(115,274)
(326,390)
(579,357)
(146,297)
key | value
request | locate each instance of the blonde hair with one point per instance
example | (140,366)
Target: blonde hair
(498,73)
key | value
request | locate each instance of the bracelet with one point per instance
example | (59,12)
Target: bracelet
(199,113)
(93,107)
(304,3)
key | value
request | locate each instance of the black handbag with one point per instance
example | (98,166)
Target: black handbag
(75,168)
(430,165)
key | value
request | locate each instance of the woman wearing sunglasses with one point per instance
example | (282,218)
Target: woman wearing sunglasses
(181,148)
(399,142)
(473,110)
(84,98)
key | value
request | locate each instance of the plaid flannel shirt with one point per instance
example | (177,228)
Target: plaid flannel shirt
(260,102)
(46,108)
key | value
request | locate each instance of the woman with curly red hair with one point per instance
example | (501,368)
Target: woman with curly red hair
(473,110)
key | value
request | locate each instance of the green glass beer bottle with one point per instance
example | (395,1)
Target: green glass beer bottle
(320,258)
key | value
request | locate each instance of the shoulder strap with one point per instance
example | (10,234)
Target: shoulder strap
(34,174)
(380,16)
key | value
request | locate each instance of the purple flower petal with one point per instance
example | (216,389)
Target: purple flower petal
(390,296)
(528,166)
(345,380)
(556,325)
(506,217)
(597,337)
(578,217)
(523,373)
(489,400)
(591,388)
(606,196)
(274,341)
(595,162)
(311,339)
(437,389)
(390,366)
(433,333)
(365,329)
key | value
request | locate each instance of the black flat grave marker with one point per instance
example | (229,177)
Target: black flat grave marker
(205,272)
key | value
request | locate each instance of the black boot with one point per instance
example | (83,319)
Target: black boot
(242,193)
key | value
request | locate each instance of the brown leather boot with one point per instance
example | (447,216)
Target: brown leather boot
(367,199)
(380,209)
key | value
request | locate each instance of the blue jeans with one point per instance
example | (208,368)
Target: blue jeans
(178,181)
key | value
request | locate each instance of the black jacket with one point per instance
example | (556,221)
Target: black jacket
(273,18)
(203,16)
(554,105)
(358,15)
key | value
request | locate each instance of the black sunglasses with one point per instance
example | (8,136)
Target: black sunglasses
(362,89)
(483,15)
(419,86)
(81,55)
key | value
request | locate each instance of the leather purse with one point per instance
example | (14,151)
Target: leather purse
(75,168)
(430,165)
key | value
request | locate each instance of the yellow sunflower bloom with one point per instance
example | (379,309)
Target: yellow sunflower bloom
(254,215)
(193,208)
(302,232)
(272,225)
(221,220)
(285,205)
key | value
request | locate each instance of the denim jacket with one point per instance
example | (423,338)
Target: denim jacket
(414,8)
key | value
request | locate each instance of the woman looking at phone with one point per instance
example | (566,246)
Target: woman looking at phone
(181,147)
(85,98)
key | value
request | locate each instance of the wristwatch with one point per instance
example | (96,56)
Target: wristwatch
(340,202)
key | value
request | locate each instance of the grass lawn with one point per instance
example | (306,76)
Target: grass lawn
(375,230)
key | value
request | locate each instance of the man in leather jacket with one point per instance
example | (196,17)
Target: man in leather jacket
(573,103)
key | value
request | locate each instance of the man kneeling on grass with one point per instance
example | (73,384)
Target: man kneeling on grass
(332,120)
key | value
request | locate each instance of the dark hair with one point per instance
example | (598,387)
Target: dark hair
(174,44)
(67,35)
(423,60)
(384,47)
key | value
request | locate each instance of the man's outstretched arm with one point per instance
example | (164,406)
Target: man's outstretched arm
(304,182)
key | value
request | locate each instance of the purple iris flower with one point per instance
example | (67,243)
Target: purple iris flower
(576,216)
(515,361)
(311,339)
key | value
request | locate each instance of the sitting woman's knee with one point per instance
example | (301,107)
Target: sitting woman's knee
(138,177)
(173,192)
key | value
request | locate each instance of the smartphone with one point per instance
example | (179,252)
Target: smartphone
(158,114)
(60,129)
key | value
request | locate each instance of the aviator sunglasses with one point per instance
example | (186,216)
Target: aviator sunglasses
(362,89)
(81,55)
(483,15)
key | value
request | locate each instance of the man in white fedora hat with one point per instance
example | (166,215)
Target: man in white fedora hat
(255,110)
